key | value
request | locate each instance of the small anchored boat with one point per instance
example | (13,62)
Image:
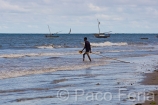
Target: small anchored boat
(50,35)
(102,35)
(143,38)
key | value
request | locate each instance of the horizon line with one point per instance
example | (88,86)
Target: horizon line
(79,33)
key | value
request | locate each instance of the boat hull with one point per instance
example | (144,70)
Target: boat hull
(143,38)
(102,35)
(51,36)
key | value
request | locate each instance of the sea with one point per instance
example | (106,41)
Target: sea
(39,70)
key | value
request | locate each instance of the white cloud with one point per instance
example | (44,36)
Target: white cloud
(47,1)
(6,6)
(3,27)
(32,26)
(120,9)
(96,8)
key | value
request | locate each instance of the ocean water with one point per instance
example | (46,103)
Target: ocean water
(34,68)
(24,53)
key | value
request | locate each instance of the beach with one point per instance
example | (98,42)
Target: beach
(152,79)
(44,71)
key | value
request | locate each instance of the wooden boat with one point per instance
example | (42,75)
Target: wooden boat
(143,38)
(101,35)
(50,35)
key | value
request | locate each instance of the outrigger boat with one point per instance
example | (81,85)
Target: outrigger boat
(50,35)
(101,35)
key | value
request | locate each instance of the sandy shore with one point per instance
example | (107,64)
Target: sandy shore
(151,79)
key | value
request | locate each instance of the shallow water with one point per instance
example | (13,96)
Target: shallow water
(79,84)
(34,72)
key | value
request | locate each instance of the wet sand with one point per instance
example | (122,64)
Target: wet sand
(151,79)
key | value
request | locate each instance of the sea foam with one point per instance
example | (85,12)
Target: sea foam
(15,73)
(45,46)
(108,44)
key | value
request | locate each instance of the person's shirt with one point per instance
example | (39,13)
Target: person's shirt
(87,46)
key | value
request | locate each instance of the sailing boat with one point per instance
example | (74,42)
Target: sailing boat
(70,31)
(50,35)
(101,35)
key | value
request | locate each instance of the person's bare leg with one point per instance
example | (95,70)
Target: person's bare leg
(84,56)
(89,56)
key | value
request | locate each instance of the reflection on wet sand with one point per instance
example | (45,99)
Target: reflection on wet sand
(35,98)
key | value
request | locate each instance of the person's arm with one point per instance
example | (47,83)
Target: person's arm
(84,47)
(90,49)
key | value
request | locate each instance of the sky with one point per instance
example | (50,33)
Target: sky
(118,16)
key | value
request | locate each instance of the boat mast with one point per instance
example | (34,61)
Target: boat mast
(98,26)
(70,31)
(49,30)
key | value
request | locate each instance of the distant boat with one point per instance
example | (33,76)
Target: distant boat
(70,31)
(143,38)
(50,35)
(157,36)
(101,35)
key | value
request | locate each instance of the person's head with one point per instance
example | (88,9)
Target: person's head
(85,38)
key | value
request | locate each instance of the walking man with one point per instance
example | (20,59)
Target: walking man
(87,46)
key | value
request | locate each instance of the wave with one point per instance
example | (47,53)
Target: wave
(113,51)
(12,74)
(18,55)
(108,44)
(34,55)
(45,46)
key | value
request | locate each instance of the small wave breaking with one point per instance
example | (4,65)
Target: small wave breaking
(12,74)
(108,44)
(45,46)
(34,55)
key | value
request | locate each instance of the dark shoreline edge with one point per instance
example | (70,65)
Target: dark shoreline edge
(151,79)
